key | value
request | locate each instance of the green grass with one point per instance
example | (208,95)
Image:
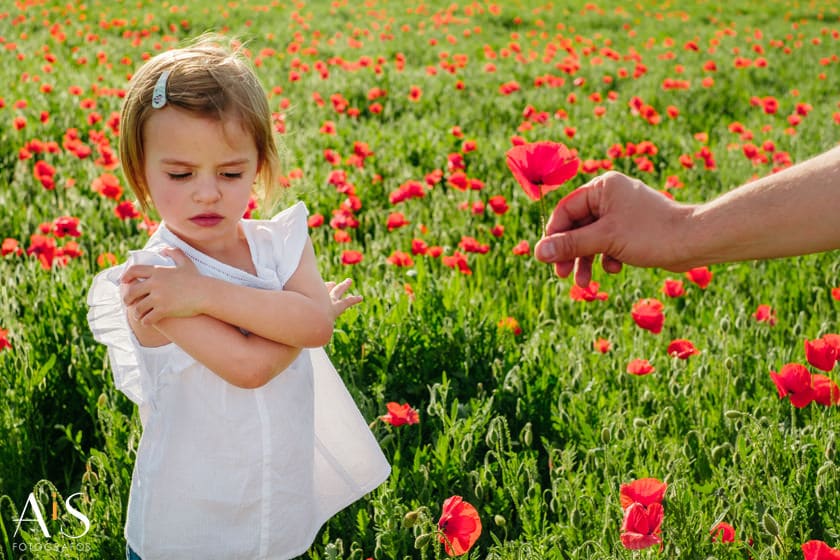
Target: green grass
(536,430)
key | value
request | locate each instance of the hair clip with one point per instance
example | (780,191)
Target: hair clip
(159,93)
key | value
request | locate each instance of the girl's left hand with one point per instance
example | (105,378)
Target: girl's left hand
(339,304)
(152,293)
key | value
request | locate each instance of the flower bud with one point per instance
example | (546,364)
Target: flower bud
(771,526)
(500,520)
(422,541)
(410,519)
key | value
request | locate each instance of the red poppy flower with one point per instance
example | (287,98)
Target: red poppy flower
(765,314)
(641,526)
(590,293)
(396,220)
(826,391)
(723,532)
(107,185)
(315,220)
(602,345)
(400,414)
(126,210)
(835,293)
(701,276)
(418,247)
(11,246)
(682,349)
(498,204)
(4,340)
(794,380)
(673,288)
(818,550)
(648,314)
(458,260)
(522,248)
(471,245)
(645,491)
(415,93)
(351,257)
(820,354)
(66,225)
(511,324)
(460,524)
(105,260)
(401,259)
(640,366)
(541,167)
(459,180)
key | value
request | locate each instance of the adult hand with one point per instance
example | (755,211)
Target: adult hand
(621,218)
(341,304)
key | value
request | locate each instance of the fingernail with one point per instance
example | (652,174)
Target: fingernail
(545,251)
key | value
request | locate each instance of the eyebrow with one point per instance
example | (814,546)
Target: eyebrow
(172,161)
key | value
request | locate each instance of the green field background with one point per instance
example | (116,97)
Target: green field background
(537,430)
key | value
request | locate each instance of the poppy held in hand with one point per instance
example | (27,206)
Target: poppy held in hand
(541,167)
(460,526)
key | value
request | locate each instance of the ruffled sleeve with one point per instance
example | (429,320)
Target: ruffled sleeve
(281,240)
(133,365)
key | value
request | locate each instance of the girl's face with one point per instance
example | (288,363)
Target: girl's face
(200,172)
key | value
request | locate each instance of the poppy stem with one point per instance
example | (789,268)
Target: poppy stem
(542,217)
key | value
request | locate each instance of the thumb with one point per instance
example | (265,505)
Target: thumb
(585,241)
(176,255)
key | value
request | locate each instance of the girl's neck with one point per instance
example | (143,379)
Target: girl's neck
(236,253)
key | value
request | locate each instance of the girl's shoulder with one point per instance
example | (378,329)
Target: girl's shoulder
(288,217)
(278,242)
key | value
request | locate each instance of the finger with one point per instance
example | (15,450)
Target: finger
(330,285)
(135,293)
(579,205)
(585,241)
(135,272)
(346,303)
(611,265)
(177,255)
(564,268)
(339,289)
(583,271)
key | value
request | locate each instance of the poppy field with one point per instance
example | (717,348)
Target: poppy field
(650,415)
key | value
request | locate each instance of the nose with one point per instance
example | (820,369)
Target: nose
(207,190)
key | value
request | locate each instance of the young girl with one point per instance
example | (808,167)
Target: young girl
(250,439)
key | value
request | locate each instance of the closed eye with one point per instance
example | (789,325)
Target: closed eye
(232,175)
(178,176)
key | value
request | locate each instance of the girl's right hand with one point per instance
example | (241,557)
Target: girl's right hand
(341,304)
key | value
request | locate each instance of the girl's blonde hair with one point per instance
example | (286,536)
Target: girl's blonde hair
(209,79)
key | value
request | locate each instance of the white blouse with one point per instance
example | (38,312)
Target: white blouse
(225,472)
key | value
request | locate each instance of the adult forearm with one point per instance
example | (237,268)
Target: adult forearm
(247,361)
(793,212)
(282,316)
